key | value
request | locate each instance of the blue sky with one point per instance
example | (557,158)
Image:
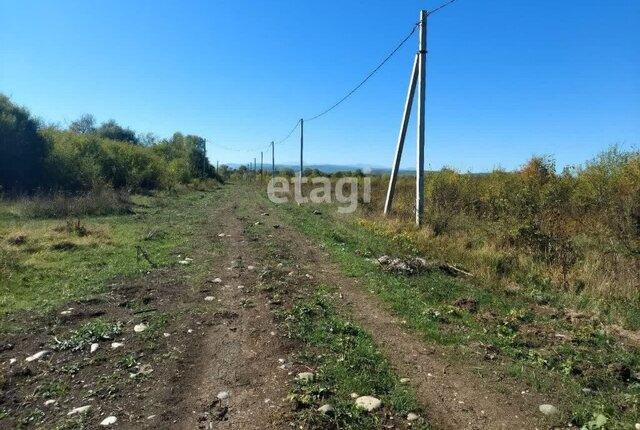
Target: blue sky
(506,79)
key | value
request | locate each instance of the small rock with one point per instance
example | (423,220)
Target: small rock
(37,356)
(251,267)
(222,395)
(190,331)
(65,313)
(637,426)
(108,421)
(354,395)
(222,235)
(116,345)
(317,212)
(412,417)
(264,214)
(587,390)
(305,376)
(166,334)
(257,223)
(548,410)
(145,369)
(94,347)
(209,299)
(12,360)
(217,281)
(79,410)
(404,380)
(326,409)
(368,403)
(139,328)
(49,402)
(184,262)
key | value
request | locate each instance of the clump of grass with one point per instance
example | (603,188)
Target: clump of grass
(99,202)
(89,333)
(345,360)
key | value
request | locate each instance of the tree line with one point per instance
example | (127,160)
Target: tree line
(35,157)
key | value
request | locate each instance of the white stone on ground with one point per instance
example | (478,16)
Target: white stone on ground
(354,395)
(404,380)
(217,281)
(222,395)
(368,403)
(94,347)
(209,299)
(37,356)
(548,409)
(412,417)
(166,334)
(115,345)
(326,409)
(108,421)
(305,376)
(12,360)
(79,410)
(139,328)
(49,402)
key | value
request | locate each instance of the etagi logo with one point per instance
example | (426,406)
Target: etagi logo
(321,191)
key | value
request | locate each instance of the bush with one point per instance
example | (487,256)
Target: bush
(99,202)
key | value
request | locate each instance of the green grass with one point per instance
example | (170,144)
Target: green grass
(345,360)
(427,303)
(54,264)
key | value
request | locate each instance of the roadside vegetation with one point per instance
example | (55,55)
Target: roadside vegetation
(549,337)
(38,159)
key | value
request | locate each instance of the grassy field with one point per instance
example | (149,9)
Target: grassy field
(45,262)
(542,338)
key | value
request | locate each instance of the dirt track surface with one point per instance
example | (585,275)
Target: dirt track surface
(230,344)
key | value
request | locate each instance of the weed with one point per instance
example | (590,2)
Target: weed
(89,333)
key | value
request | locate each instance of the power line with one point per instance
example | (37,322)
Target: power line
(431,12)
(350,93)
(288,135)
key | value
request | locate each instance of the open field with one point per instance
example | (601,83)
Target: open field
(266,292)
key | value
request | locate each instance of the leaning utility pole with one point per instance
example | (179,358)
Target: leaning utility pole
(418,78)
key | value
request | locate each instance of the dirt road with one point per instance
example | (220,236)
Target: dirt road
(218,365)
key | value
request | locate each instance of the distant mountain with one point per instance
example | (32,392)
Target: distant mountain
(333,168)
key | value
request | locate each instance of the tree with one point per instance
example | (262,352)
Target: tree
(114,131)
(84,125)
(22,148)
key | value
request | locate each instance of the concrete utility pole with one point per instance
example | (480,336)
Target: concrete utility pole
(204,157)
(261,159)
(404,124)
(301,147)
(419,78)
(422,78)
(273,160)
(255,165)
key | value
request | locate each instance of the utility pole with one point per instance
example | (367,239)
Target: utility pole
(273,161)
(418,78)
(401,136)
(255,168)
(204,157)
(422,75)
(301,147)
(261,157)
